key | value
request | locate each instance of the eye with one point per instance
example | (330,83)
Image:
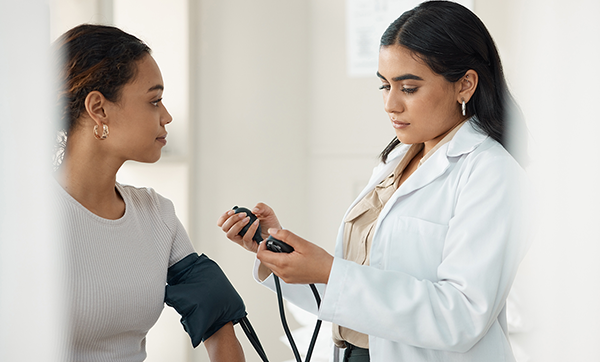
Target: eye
(409,90)
(156,102)
(385,87)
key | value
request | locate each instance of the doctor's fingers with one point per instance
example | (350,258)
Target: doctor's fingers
(248,240)
(233,225)
(309,263)
(299,244)
(274,261)
(289,267)
(264,212)
(245,241)
(231,220)
(267,217)
(221,220)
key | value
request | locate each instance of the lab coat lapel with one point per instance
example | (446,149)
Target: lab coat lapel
(465,141)
(382,171)
(431,169)
(379,174)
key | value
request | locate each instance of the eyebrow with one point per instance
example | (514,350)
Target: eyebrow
(401,77)
(158,86)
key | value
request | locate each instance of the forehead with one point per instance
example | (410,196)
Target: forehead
(396,60)
(147,75)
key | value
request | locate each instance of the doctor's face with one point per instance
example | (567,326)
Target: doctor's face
(422,105)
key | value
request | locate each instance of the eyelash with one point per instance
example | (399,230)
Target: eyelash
(405,90)
(155,103)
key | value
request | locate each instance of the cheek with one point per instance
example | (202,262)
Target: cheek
(436,104)
(422,109)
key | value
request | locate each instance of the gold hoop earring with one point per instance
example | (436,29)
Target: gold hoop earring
(104,132)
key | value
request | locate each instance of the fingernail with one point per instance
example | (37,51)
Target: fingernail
(242,215)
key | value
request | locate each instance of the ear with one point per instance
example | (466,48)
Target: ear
(94,106)
(467,86)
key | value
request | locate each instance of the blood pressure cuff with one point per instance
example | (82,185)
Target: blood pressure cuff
(203,296)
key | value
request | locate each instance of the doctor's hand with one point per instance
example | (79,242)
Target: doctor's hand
(231,223)
(307,264)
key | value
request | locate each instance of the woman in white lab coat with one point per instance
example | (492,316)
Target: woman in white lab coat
(426,255)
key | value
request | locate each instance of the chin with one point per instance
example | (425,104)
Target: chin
(148,159)
(408,139)
(403,138)
(154,160)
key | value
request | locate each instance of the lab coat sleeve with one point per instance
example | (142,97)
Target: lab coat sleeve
(484,244)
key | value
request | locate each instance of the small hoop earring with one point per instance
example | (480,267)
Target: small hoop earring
(104,132)
(464,108)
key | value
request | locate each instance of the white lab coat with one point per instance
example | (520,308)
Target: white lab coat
(445,251)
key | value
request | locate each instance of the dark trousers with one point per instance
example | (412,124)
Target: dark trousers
(356,354)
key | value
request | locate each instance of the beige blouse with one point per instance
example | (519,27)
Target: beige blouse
(361,220)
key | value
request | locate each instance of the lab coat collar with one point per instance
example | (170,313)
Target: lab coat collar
(465,141)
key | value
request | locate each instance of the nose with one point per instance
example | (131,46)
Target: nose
(392,101)
(166,117)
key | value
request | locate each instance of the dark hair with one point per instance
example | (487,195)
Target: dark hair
(92,58)
(451,40)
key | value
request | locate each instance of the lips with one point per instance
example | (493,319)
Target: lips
(162,139)
(398,125)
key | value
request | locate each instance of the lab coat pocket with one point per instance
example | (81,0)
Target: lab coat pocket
(413,246)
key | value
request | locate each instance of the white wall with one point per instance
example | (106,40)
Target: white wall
(249,144)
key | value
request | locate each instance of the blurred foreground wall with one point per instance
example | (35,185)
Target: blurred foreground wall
(31,307)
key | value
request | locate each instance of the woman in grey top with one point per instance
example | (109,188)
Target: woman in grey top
(123,243)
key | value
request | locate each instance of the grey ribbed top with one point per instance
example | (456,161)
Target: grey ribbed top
(118,271)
